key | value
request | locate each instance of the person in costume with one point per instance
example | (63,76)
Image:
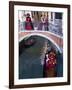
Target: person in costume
(28,23)
(43,25)
(50,64)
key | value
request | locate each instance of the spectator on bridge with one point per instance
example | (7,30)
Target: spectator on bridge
(28,23)
(43,25)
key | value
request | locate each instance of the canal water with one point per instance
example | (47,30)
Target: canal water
(30,65)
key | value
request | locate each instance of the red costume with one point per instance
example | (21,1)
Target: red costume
(51,62)
(28,23)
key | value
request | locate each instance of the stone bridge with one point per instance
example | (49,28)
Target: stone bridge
(55,39)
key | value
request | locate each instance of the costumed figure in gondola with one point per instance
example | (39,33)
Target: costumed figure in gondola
(50,64)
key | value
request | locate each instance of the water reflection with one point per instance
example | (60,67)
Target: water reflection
(31,58)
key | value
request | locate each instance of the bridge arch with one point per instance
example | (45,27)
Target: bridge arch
(42,35)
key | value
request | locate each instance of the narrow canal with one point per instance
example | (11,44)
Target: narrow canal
(30,61)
